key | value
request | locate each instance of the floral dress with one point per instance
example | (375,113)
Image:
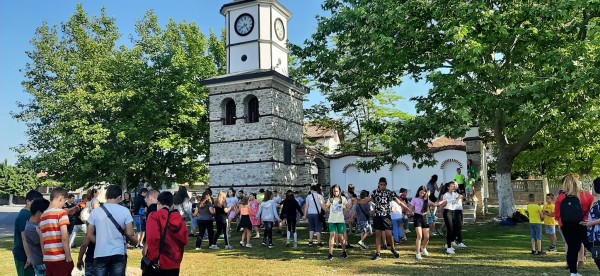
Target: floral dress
(594,232)
(254,206)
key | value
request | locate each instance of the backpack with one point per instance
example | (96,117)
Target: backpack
(85,214)
(571,211)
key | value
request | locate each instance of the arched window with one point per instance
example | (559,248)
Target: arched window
(230,113)
(252,110)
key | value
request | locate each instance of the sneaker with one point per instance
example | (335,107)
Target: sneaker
(384,246)
(407,231)
(434,233)
(450,251)
(310,243)
(533,252)
(241,243)
(454,244)
(575,274)
(287,244)
(404,239)
(418,256)
(377,257)
(362,245)
(248,245)
(271,245)
(228,247)
(339,246)
(214,247)
(197,248)
(541,252)
(461,245)
(295,245)
(330,257)
(349,246)
(424,252)
(320,244)
(396,254)
(344,255)
(552,248)
(264,244)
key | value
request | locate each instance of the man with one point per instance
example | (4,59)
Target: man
(461,180)
(21,263)
(151,201)
(110,256)
(75,224)
(55,235)
(382,221)
(139,215)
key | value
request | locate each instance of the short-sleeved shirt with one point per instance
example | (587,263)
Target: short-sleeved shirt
(204,213)
(549,220)
(460,178)
(312,208)
(336,209)
(383,200)
(33,242)
(260,197)
(451,200)
(139,203)
(396,210)
(470,183)
(363,211)
(50,223)
(418,204)
(109,240)
(535,212)
(18,250)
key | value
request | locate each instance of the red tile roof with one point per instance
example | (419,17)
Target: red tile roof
(312,131)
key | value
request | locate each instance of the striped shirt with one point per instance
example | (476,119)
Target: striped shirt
(50,223)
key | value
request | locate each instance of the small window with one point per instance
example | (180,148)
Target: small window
(253,110)
(230,113)
(287,152)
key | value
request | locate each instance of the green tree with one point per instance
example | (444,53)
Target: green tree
(107,113)
(350,121)
(17,180)
(510,66)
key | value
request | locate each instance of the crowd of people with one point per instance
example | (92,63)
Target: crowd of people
(155,222)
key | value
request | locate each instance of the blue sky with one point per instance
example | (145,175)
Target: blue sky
(19,19)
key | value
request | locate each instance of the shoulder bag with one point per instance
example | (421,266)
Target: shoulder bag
(150,267)
(119,228)
(319,210)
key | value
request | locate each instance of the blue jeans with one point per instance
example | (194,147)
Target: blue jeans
(89,269)
(397,229)
(110,265)
(40,270)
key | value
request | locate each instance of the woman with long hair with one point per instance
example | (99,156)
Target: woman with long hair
(432,186)
(94,202)
(448,202)
(232,202)
(420,204)
(204,219)
(221,211)
(570,221)
(245,224)
(254,206)
(181,201)
(268,214)
(335,205)
(289,210)
(127,202)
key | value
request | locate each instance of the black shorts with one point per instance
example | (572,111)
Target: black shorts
(461,188)
(382,223)
(419,221)
(432,197)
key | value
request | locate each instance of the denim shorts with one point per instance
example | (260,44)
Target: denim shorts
(314,223)
(536,231)
(550,230)
(140,223)
(365,227)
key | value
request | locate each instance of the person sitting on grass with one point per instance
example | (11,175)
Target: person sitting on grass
(535,226)
(337,226)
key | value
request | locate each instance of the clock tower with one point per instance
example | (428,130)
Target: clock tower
(255,110)
(256,35)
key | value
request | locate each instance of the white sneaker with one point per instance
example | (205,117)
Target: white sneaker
(214,247)
(450,251)
(418,256)
(295,245)
(248,245)
(575,274)
(461,245)
(362,245)
(197,248)
(454,244)
(424,252)
(407,231)
(228,247)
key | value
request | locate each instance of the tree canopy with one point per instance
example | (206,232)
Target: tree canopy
(17,180)
(512,67)
(103,112)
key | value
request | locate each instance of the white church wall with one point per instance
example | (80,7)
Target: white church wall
(402,175)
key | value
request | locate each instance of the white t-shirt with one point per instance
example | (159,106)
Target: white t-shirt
(312,209)
(109,241)
(450,200)
(396,210)
(336,210)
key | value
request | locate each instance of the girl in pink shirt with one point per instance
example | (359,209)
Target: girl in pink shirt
(254,205)
(420,204)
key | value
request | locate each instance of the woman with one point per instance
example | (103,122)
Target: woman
(254,205)
(181,201)
(94,202)
(220,212)
(449,200)
(432,186)
(204,219)
(232,202)
(268,214)
(574,232)
(127,202)
(169,254)
(420,204)
(289,210)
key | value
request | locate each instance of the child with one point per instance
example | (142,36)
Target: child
(55,236)
(420,204)
(268,214)
(397,216)
(470,184)
(32,236)
(535,226)
(363,216)
(290,209)
(337,226)
(254,206)
(245,223)
(549,221)
(404,197)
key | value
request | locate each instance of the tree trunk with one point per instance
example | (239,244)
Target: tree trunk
(10,199)
(506,198)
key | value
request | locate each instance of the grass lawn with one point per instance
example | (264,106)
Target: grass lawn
(493,250)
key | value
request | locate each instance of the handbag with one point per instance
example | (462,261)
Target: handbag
(321,211)
(149,267)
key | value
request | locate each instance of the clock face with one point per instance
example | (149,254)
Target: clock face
(279,29)
(244,24)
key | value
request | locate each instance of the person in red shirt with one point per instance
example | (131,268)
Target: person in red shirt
(575,234)
(170,254)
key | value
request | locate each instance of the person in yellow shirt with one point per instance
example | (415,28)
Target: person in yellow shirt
(549,221)
(535,226)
